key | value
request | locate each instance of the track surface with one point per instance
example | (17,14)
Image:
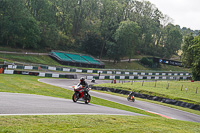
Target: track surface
(27,104)
(155,108)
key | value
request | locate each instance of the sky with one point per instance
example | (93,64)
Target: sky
(185,13)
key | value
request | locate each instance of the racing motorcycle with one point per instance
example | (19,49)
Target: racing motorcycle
(93,80)
(131,97)
(79,94)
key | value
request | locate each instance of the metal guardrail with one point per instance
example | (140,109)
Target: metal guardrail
(99,72)
(114,71)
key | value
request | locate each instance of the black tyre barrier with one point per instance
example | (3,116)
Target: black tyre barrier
(154,98)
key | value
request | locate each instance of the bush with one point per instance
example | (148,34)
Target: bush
(146,61)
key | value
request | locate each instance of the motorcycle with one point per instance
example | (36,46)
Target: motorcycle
(79,94)
(131,97)
(93,80)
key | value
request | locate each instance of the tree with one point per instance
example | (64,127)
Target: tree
(126,37)
(191,54)
(149,19)
(60,24)
(42,10)
(92,43)
(111,14)
(50,37)
(18,27)
(65,14)
(172,40)
(187,56)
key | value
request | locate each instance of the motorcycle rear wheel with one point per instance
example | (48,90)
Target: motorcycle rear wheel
(75,97)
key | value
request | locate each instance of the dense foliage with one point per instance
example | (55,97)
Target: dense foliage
(147,62)
(111,28)
(191,54)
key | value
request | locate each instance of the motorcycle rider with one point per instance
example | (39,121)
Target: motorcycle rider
(131,97)
(84,84)
(131,94)
(93,80)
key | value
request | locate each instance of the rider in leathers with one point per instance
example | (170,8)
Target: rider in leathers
(84,84)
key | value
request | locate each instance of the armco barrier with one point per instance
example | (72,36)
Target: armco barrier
(145,96)
(100,71)
(42,74)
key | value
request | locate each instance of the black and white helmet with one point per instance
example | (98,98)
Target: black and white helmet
(82,79)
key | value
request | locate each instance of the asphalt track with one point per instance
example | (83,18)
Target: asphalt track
(27,104)
(164,111)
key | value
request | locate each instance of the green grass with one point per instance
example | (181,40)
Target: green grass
(94,123)
(173,91)
(37,59)
(31,85)
(124,65)
(135,65)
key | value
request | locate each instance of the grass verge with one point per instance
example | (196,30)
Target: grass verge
(94,123)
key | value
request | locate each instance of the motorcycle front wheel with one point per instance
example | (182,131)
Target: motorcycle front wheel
(75,97)
(88,99)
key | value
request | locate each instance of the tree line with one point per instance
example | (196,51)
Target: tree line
(102,28)
(191,54)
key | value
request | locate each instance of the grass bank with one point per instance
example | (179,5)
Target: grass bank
(94,123)
(37,59)
(185,91)
(135,65)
